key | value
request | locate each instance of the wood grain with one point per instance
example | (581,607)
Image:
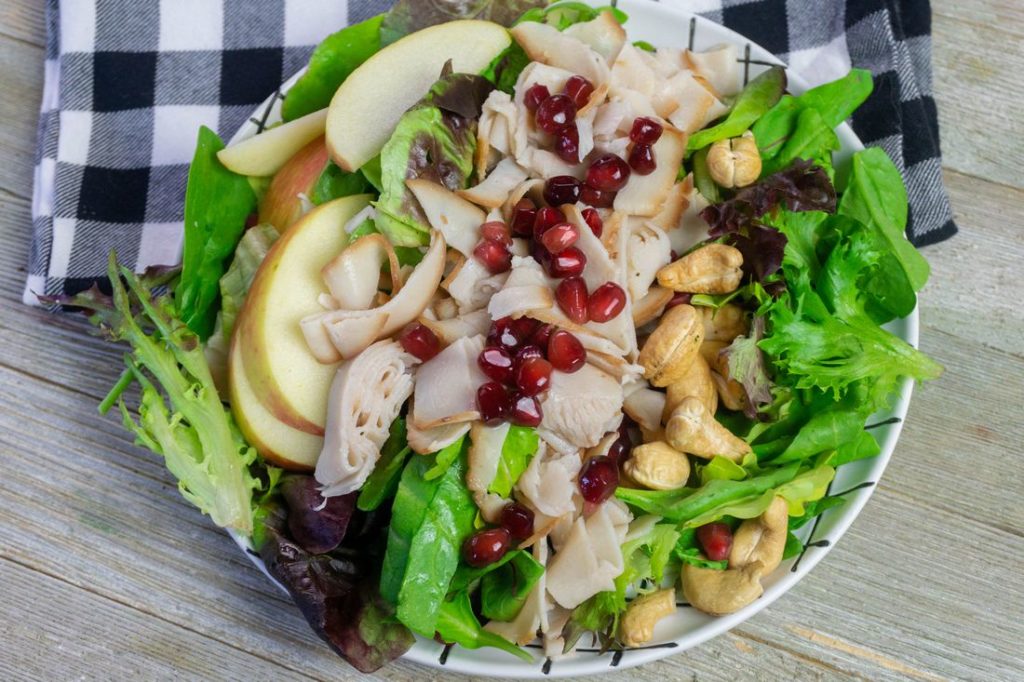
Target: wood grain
(109,573)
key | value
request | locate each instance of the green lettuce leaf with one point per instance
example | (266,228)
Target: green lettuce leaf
(760,95)
(383,480)
(429,522)
(456,623)
(217,205)
(504,591)
(332,62)
(519,447)
(335,183)
(409,16)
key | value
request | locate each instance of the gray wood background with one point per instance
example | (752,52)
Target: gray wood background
(107,573)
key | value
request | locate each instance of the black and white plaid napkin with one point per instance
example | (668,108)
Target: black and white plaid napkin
(129,82)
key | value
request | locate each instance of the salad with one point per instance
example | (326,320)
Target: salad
(516,332)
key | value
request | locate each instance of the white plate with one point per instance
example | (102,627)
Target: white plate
(666,26)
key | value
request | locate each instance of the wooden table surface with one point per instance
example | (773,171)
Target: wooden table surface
(107,573)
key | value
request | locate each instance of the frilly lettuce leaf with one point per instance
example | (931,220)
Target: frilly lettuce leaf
(409,16)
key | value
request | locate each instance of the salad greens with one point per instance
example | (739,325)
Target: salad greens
(504,591)
(519,447)
(383,481)
(458,624)
(754,101)
(217,204)
(335,183)
(332,62)
(430,521)
(409,16)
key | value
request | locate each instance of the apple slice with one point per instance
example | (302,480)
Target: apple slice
(273,439)
(281,205)
(264,154)
(289,381)
(367,106)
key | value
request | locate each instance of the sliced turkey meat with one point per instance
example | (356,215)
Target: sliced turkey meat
(495,189)
(533,615)
(471,285)
(446,385)
(549,483)
(450,330)
(719,66)
(591,558)
(647,250)
(580,408)
(485,447)
(427,441)
(604,35)
(358,420)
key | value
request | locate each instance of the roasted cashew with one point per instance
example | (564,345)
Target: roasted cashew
(698,383)
(672,347)
(692,429)
(762,539)
(723,324)
(644,612)
(711,269)
(735,162)
(718,592)
(658,466)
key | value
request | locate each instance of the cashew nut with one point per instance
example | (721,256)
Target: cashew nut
(735,162)
(698,383)
(711,269)
(658,466)
(709,350)
(692,429)
(762,539)
(672,347)
(719,592)
(723,324)
(732,393)
(637,625)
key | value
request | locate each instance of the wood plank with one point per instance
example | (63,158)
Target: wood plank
(979,91)
(1007,14)
(24,20)
(55,631)
(21,82)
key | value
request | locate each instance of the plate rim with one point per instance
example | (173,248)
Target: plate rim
(429,653)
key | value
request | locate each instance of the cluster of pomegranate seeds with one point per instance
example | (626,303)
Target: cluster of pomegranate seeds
(485,547)
(579,89)
(645,132)
(606,302)
(593,219)
(609,173)
(517,520)
(554,113)
(565,352)
(419,341)
(598,479)
(716,539)
(547,218)
(559,237)
(562,189)
(572,296)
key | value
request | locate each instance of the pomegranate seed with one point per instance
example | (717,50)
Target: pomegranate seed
(593,219)
(496,363)
(641,159)
(579,90)
(571,295)
(597,198)
(495,231)
(526,410)
(420,341)
(517,520)
(528,351)
(535,95)
(606,302)
(598,480)
(547,217)
(502,335)
(533,376)
(565,352)
(542,335)
(523,328)
(716,539)
(562,189)
(619,450)
(485,547)
(560,237)
(523,215)
(540,254)
(568,263)
(493,402)
(608,174)
(645,131)
(555,113)
(678,299)
(567,144)
(495,256)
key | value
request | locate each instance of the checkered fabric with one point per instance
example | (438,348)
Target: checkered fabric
(129,82)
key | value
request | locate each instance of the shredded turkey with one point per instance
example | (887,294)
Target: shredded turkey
(446,385)
(427,441)
(358,420)
(549,482)
(485,447)
(591,558)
